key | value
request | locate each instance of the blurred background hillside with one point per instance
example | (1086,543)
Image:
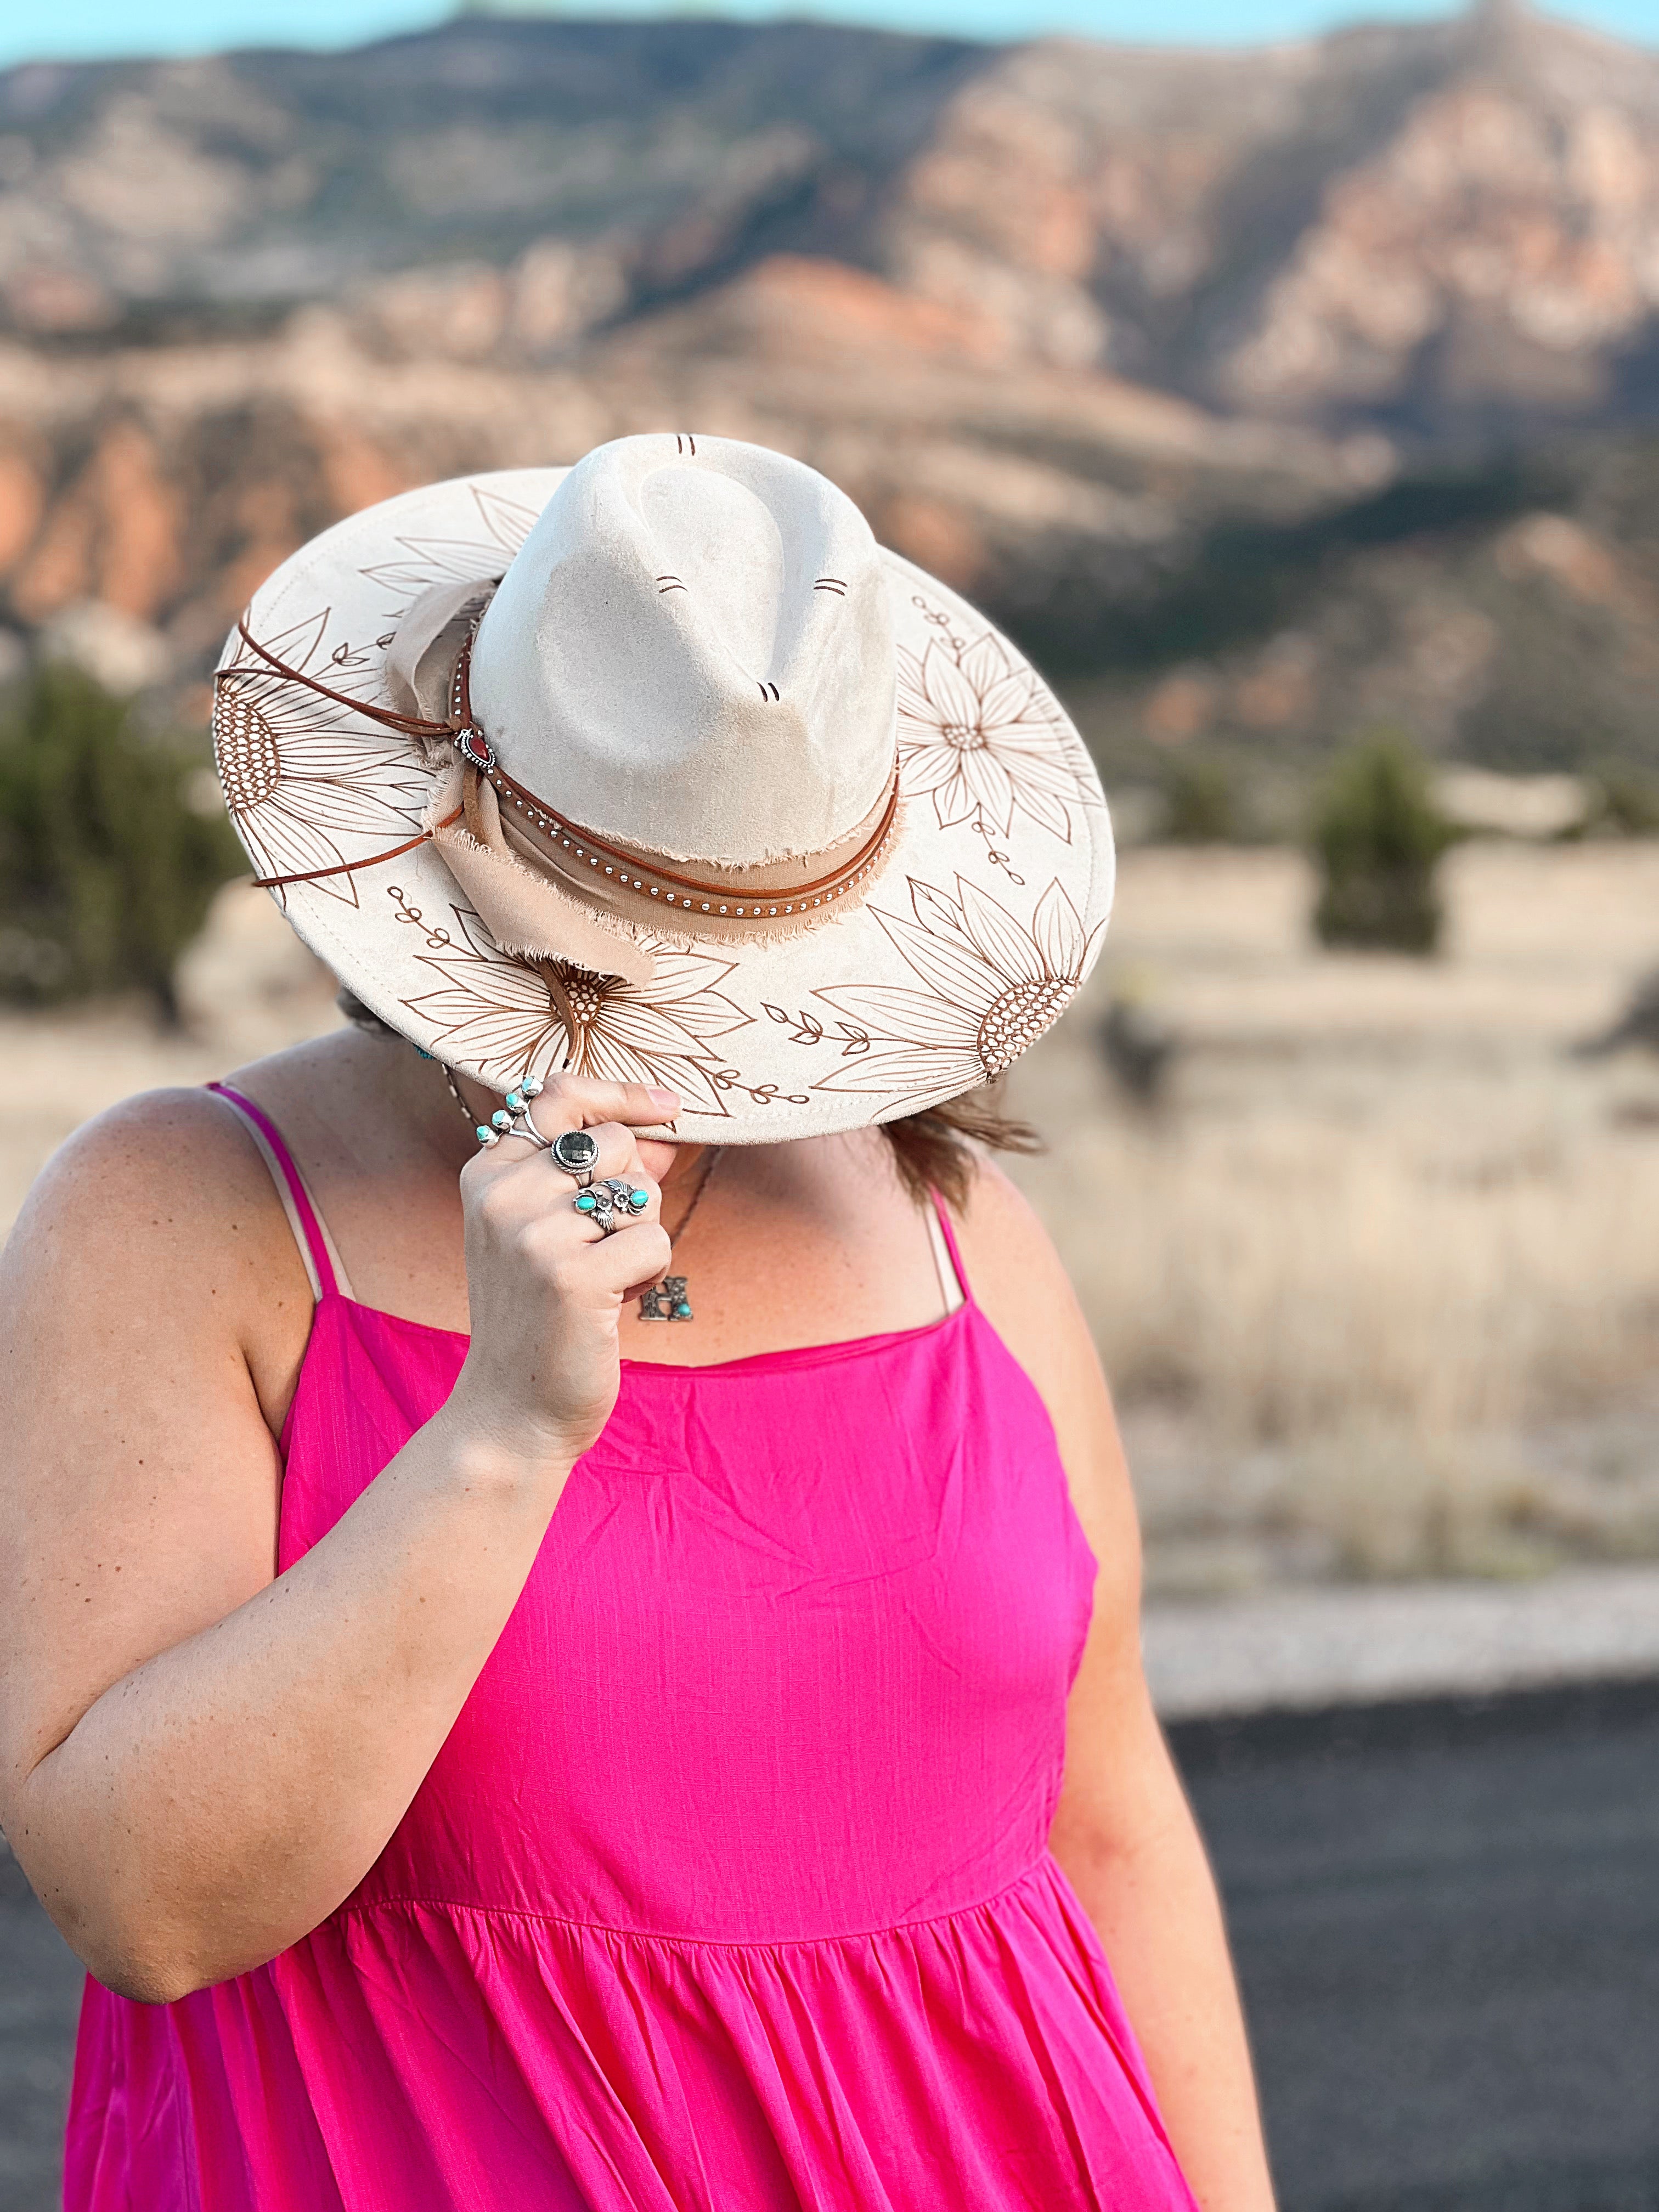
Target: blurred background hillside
(1296,405)
(1264,394)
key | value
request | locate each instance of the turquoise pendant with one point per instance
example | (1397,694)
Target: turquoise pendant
(666,1300)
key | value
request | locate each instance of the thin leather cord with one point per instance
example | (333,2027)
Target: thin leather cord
(349,867)
(411,725)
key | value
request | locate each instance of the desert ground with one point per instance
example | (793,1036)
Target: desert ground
(1375,1281)
(1377,1287)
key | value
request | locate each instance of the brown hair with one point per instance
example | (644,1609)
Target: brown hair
(931,1150)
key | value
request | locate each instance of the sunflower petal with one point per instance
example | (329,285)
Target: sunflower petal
(985,664)
(501,1033)
(284,846)
(1057,929)
(639,1028)
(955,801)
(908,1072)
(620,1060)
(436,561)
(934,911)
(692,1078)
(449,1007)
(295,645)
(992,786)
(649,1029)
(476,931)
(501,1068)
(337,751)
(953,968)
(1041,806)
(1030,737)
(499,983)
(681,976)
(1007,946)
(953,697)
(298,719)
(910,1018)
(338,806)
(924,768)
(1034,774)
(507,522)
(708,1014)
(912,698)
(289,712)
(1005,702)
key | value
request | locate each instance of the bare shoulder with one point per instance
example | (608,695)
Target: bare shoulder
(162,1202)
(1000,1219)
(1025,1293)
(1018,1280)
(151,1322)
(180,1164)
(173,1163)
(177,1157)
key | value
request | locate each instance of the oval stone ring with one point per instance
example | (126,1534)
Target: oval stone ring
(611,1203)
(576,1151)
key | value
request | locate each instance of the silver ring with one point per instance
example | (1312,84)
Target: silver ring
(611,1204)
(514,1109)
(575,1151)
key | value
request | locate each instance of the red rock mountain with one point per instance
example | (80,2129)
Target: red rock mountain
(1109,335)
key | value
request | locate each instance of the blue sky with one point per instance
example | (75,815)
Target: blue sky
(79,28)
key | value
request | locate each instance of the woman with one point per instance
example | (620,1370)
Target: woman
(612,1758)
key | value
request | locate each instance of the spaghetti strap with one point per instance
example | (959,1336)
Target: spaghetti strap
(942,1217)
(315,1243)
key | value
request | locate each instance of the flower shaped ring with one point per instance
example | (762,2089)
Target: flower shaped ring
(612,1203)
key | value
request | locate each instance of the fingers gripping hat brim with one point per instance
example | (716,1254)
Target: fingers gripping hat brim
(986,915)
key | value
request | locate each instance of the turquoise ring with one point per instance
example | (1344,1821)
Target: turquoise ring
(504,1121)
(611,1203)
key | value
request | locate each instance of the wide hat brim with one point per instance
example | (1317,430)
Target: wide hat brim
(987,914)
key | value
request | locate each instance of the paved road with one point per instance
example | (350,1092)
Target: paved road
(39,1988)
(1447,1921)
(1446,1918)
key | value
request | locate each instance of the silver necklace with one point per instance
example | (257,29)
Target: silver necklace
(668,1299)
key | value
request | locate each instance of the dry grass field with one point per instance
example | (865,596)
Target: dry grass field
(1377,1284)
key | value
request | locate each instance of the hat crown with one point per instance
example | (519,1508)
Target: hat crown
(693,650)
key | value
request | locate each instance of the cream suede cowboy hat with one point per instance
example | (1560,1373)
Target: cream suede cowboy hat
(661,768)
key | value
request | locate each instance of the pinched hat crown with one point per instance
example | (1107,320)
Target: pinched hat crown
(693,647)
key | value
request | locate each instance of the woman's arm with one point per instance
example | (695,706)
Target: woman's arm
(1124,1833)
(199,1759)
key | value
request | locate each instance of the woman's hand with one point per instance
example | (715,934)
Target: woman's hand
(545,1286)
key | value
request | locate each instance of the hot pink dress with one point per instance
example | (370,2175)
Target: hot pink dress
(730,1890)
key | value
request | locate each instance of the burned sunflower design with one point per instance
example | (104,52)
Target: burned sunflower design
(502,526)
(299,775)
(992,987)
(979,734)
(507,1015)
